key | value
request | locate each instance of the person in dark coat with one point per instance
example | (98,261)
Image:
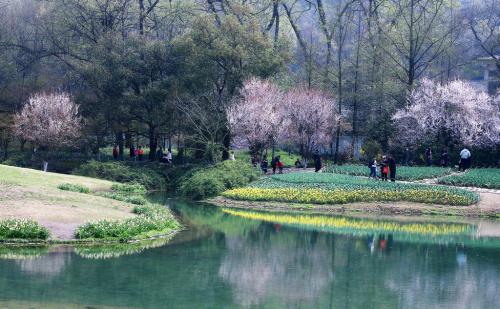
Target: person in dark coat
(116,152)
(132,152)
(317,162)
(392,168)
(263,165)
(428,157)
(445,158)
(274,163)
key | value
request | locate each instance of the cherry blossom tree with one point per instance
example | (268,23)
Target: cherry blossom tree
(49,120)
(256,116)
(469,116)
(310,119)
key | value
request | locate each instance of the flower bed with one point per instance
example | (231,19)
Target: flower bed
(324,188)
(482,178)
(408,173)
(22,229)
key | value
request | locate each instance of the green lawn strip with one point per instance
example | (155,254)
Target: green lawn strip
(482,178)
(409,173)
(325,188)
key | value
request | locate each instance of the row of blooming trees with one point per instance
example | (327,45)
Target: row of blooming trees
(455,110)
(263,116)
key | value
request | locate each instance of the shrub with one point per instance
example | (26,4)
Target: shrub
(147,175)
(211,181)
(149,219)
(22,229)
(73,188)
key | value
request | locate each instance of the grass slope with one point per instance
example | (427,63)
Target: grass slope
(26,193)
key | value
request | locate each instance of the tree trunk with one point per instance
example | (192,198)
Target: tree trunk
(119,142)
(153,143)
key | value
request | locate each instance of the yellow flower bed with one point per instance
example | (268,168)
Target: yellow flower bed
(342,196)
(355,225)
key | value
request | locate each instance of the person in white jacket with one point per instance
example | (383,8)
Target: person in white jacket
(464,159)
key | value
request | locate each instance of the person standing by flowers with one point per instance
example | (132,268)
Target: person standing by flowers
(373,168)
(428,156)
(384,168)
(392,168)
(464,159)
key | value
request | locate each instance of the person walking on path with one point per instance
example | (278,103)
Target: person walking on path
(464,163)
(279,165)
(116,152)
(168,157)
(428,157)
(317,162)
(392,168)
(445,158)
(373,168)
(384,168)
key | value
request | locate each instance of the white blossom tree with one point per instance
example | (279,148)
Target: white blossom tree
(310,119)
(49,120)
(256,117)
(469,116)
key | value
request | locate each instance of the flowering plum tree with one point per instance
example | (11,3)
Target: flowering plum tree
(467,115)
(310,118)
(256,116)
(49,120)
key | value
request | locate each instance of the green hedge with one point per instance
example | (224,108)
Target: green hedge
(211,181)
(147,175)
(22,229)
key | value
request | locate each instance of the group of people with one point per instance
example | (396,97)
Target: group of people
(138,154)
(463,164)
(276,164)
(387,168)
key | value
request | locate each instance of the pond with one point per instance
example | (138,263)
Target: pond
(235,258)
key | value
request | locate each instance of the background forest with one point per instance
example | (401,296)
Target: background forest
(158,72)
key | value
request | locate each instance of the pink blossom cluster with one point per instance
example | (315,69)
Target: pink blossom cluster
(49,120)
(264,114)
(471,117)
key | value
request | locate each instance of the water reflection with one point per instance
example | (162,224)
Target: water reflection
(227,261)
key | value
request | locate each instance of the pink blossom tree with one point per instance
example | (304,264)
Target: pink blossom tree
(49,120)
(310,119)
(256,116)
(457,108)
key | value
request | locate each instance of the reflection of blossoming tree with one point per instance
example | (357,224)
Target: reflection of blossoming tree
(455,109)
(49,120)
(258,269)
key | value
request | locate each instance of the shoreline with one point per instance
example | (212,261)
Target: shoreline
(391,209)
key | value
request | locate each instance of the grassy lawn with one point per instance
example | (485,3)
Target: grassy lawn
(287,159)
(327,188)
(407,173)
(482,178)
(26,193)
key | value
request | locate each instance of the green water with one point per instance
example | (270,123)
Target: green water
(226,261)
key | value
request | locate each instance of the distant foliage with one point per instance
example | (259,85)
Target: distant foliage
(49,119)
(120,172)
(456,108)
